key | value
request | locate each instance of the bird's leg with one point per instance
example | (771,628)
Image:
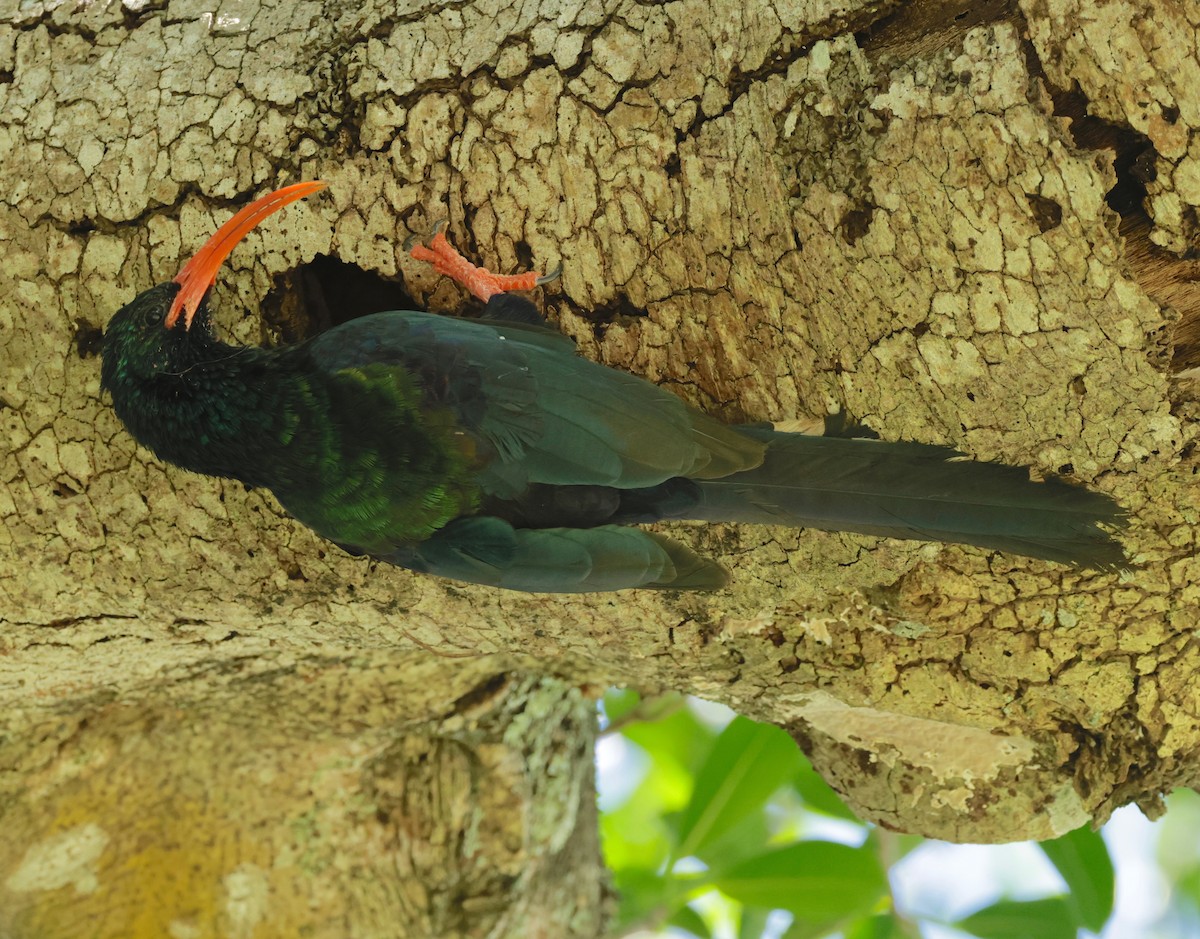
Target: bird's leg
(481,282)
(513,308)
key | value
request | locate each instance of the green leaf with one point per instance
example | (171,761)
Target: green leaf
(752,922)
(688,919)
(640,892)
(623,708)
(803,929)
(619,702)
(747,762)
(636,833)
(749,838)
(680,738)
(816,880)
(1083,860)
(1187,883)
(1051,918)
(818,795)
(880,926)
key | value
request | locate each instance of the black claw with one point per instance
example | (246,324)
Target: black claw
(552,276)
(412,240)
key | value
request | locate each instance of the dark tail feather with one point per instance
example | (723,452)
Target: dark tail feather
(910,490)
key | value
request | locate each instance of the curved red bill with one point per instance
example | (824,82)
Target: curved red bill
(195,277)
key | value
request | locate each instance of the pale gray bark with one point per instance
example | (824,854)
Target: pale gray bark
(211,720)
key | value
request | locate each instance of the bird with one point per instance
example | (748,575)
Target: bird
(488,451)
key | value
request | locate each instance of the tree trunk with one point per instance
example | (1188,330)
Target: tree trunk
(963,223)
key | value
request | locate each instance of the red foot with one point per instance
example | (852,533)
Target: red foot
(481,282)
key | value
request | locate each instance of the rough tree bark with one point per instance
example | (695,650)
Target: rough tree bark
(213,724)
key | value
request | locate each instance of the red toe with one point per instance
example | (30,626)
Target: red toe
(481,282)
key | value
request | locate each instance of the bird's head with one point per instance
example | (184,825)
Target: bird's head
(148,334)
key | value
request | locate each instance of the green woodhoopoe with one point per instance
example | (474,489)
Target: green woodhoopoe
(488,451)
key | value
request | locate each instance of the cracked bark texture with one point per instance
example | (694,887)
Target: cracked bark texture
(213,724)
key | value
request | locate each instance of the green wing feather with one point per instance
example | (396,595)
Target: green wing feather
(546,414)
(489,551)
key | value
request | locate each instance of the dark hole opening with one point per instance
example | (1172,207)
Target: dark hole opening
(1134,155)
(325,293)
(857,222)
(1047,213)
(89,339)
